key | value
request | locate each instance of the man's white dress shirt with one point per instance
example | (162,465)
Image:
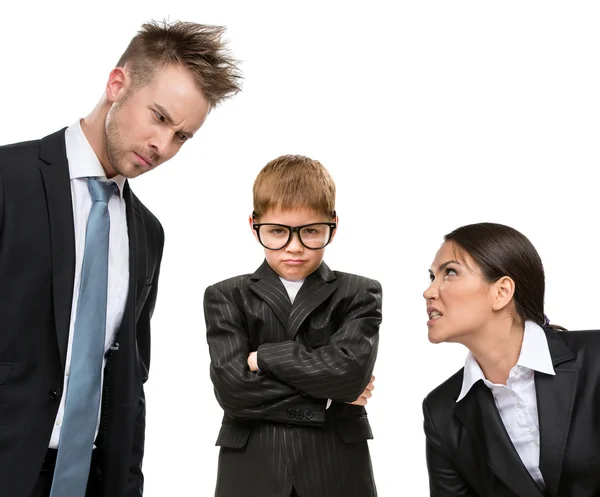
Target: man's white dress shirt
(83,162)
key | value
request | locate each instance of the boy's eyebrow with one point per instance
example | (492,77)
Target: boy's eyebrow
(445,264)
(167,116)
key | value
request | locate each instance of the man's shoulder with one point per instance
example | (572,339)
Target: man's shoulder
(18,154)
(26,155)
(20,146)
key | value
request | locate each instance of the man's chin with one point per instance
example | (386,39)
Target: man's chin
(130,171)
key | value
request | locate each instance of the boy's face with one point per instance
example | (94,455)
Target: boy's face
(294,261)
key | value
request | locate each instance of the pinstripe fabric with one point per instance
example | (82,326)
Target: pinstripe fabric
(276,431)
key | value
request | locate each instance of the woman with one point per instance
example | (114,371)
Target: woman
(522,418)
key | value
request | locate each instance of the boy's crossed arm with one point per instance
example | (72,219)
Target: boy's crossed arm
(341,370)
(241,393)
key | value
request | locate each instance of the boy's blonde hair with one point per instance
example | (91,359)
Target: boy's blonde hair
(292,182)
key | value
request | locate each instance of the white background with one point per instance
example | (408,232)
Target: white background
(429,115)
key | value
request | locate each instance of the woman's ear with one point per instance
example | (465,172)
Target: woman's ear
(503,293)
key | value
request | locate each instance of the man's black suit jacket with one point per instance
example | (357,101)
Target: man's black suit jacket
(276,430)
(37,264)
(469,452)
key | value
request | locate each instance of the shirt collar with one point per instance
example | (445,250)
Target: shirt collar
(83,161)
(292,282)
(534,355)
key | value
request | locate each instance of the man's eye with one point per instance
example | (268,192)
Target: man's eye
(159,116)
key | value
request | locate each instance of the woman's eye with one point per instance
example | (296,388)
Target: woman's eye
(450,271)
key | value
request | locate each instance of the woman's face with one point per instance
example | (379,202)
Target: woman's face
(459,300)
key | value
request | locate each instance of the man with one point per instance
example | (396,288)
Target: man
(79,264)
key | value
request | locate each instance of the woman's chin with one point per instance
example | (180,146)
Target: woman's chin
(435,335)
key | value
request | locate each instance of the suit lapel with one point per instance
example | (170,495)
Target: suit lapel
(125,359)
(317,287)
(555,399)
(137,250)
(267,285)
(479,415)
(57,185)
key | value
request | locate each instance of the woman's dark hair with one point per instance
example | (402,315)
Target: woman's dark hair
(502,251)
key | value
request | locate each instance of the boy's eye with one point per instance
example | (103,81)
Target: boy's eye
(277,231)
(310,231)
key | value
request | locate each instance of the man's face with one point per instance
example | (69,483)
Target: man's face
(147,127)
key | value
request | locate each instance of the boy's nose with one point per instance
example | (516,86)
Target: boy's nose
(295,244)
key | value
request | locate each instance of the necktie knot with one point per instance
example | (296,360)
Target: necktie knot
(100,191)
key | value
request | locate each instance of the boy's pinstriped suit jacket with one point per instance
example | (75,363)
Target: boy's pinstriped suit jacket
(276,429)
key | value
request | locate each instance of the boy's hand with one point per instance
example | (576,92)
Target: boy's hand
(253,362)
(366,395)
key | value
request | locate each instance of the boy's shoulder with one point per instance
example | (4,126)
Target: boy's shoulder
(235,282)
(349,280)
(356,280)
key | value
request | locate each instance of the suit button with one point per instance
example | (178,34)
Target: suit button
(53,395)
(299,414)
(290,413)
(308,413)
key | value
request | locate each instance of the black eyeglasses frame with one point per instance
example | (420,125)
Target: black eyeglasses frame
(292,230)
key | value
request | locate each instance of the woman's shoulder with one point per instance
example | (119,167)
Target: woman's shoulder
(443,398)
(578,340)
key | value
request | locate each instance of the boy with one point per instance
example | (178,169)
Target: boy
(292,350)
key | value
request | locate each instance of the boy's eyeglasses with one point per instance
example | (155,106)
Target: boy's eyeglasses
(313,236)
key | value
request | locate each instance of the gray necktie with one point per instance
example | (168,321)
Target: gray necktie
(83,393)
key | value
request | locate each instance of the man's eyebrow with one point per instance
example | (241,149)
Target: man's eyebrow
(167,116)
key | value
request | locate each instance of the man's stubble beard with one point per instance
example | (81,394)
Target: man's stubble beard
(114,148)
